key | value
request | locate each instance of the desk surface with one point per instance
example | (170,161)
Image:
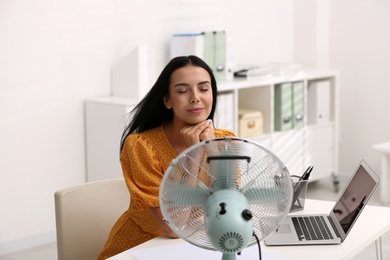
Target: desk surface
(382,147)
(372,224)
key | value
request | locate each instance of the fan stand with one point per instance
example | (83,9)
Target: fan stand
(226,256)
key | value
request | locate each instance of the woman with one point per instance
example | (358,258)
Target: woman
(176,114)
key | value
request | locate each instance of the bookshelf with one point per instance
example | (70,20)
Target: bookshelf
(312,139)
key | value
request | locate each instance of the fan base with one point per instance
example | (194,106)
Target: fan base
(228,256)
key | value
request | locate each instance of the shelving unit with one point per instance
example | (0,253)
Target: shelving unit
(312,142)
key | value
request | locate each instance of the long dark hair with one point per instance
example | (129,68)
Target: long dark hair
(151,112)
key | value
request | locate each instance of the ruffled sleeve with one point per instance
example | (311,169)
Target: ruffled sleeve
(223,132)
(142,170)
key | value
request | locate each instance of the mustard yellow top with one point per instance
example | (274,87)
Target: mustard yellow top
(145,157)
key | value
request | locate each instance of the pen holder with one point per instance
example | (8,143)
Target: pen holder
(299,195)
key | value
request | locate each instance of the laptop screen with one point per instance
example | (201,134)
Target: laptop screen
(355,195)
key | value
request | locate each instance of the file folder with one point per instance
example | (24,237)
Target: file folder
(283,107)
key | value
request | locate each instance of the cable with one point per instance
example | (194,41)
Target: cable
(258,244)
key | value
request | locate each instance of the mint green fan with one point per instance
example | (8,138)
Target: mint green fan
(223,193)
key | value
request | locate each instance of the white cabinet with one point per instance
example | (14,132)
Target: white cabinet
(307,105)
(105,119)
(312,138)
(318,99)
(320,150)
(289,147)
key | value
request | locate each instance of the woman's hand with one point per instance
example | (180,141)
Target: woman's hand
(194,134)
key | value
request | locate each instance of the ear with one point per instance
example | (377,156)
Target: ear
(167,103)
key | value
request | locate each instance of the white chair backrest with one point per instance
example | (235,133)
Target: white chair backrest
(85,215)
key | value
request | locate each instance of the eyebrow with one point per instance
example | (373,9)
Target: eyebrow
(185,84)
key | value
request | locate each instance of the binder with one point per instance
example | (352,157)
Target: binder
(224,113)
(298,104)
(219,55)
(187,44)
(283,107)
(319,102)
(208,52)
(209,46)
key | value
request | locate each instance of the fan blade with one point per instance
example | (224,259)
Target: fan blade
(266,195)
(186,195)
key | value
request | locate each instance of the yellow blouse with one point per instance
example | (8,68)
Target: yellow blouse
(145,157)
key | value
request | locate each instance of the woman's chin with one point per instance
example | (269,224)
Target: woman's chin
(195,122)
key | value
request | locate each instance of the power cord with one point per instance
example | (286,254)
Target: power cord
(258,244)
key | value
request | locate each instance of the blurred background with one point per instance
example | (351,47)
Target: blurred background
(56,54)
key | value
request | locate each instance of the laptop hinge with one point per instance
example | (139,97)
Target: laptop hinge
(334,227)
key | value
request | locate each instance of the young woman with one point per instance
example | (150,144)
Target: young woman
(176,114)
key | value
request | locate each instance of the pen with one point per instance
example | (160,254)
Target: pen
(306,174)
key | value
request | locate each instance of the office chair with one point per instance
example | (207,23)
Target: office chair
(85,215)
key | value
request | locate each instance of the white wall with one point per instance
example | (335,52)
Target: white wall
(352,37)
(359,49)
(55,54)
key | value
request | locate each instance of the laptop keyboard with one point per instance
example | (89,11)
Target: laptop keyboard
(311,228)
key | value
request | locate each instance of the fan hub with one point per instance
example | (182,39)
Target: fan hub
(223,208)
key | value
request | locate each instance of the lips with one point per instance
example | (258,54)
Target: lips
(196,110)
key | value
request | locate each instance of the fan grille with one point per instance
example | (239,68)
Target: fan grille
(192,177)
(231,242)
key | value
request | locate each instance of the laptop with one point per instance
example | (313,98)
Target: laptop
(333,228)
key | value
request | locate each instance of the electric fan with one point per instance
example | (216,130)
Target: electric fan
(224,194)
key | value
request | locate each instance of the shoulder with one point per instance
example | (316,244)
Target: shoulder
(145,139)
(223,132)
(150,149)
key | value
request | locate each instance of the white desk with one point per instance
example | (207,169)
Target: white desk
(371,225)
(384,185)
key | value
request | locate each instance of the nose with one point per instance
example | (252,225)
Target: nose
(194,97)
